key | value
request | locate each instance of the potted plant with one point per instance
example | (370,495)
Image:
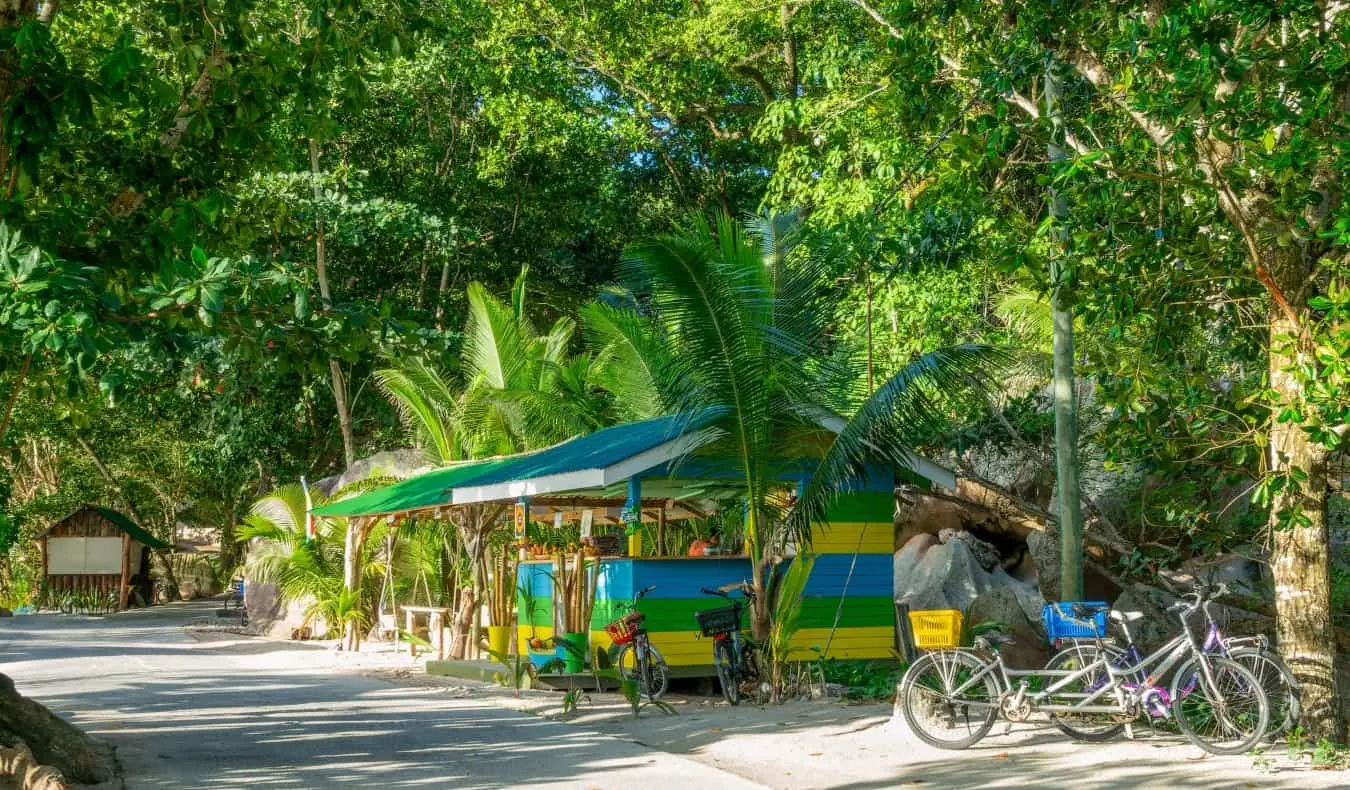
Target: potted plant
(501,601)
(574,591)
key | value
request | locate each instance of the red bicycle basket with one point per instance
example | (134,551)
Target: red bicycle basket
(622,630)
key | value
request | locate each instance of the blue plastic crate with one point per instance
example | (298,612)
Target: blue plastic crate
(1059,626)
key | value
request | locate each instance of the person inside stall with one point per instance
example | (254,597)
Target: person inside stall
(704,547)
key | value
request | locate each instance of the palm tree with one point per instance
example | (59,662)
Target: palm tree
(312,570)
(518,390)
(738,327)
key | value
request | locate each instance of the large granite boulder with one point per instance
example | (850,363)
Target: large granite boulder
(932,575)
(1016,609)
(398,464)
(1144,612)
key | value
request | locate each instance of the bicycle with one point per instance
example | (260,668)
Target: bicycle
(1283,690)
(733,654)
(638,659)
(1224,711)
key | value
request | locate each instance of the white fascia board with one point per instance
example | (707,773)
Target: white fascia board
(921,466)
(582,478)
(515,489)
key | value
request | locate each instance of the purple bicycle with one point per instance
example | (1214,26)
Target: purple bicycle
(1253,652)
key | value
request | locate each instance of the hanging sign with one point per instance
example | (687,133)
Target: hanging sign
(587,519)
(557,520)
(520,521)
(629,515)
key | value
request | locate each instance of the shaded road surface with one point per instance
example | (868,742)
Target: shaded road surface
(184,715)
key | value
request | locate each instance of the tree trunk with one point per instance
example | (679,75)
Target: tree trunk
(53,740)
(760,620)
(159,556)
(1300,552)
(344,412)
(357,529)
(14,396)
(1066,416)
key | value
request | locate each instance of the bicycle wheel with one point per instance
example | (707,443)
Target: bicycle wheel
(1229,717)
(1283,690)
(725,661)
(1092,727)
(933,709)
(653,674)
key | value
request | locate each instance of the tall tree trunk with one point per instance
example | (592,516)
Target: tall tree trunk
(1300,556)
(760,620)
(14,396)
(358,529)
(339,383)
(1066,416)
(159,556)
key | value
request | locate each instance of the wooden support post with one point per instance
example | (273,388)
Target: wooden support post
(632,515)
(435,624)
(661,532)
(124,591)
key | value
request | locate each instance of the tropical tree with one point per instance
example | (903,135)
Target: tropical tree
(739,329)
(518,390)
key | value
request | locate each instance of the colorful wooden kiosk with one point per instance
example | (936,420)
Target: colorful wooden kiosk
(645,473)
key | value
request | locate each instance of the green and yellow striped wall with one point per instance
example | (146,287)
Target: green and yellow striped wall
(854,561)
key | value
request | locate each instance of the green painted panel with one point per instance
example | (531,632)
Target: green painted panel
(864,506)
(542,614)
(663,614)
(856,612)
(677,614)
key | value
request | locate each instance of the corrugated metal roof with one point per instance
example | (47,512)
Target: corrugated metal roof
(136,531)
(600,450)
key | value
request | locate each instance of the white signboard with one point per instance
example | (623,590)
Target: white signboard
(587,518)
(84,555)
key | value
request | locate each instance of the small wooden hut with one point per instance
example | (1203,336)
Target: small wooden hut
(95,549)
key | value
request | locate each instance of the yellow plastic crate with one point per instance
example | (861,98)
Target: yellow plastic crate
(936,628)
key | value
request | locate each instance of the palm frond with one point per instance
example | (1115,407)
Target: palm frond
(494,344)
(905,411)
(633,362)
(426,406)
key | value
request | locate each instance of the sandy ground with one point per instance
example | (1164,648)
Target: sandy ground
(843,746)
(175,708)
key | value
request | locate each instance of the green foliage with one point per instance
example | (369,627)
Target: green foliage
(518,672)
(572,698)
(741,313)
(787,610)
(871,681)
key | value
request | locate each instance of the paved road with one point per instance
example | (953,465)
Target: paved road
(187,714)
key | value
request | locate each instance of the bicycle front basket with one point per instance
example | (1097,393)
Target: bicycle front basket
(716,622)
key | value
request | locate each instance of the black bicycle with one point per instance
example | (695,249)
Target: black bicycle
(638,659)
(733,652)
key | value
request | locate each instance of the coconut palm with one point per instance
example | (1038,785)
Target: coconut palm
(518,390)
(738,328)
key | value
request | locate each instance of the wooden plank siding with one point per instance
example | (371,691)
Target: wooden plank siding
(847,609)
(87,523)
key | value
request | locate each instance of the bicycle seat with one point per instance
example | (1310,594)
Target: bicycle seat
(1085,611)
(1000,639)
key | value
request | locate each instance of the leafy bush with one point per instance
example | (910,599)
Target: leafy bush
(865,680)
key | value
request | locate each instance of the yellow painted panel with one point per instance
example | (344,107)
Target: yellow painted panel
(865,642)
(843,538)
(525,633)
(689,648)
